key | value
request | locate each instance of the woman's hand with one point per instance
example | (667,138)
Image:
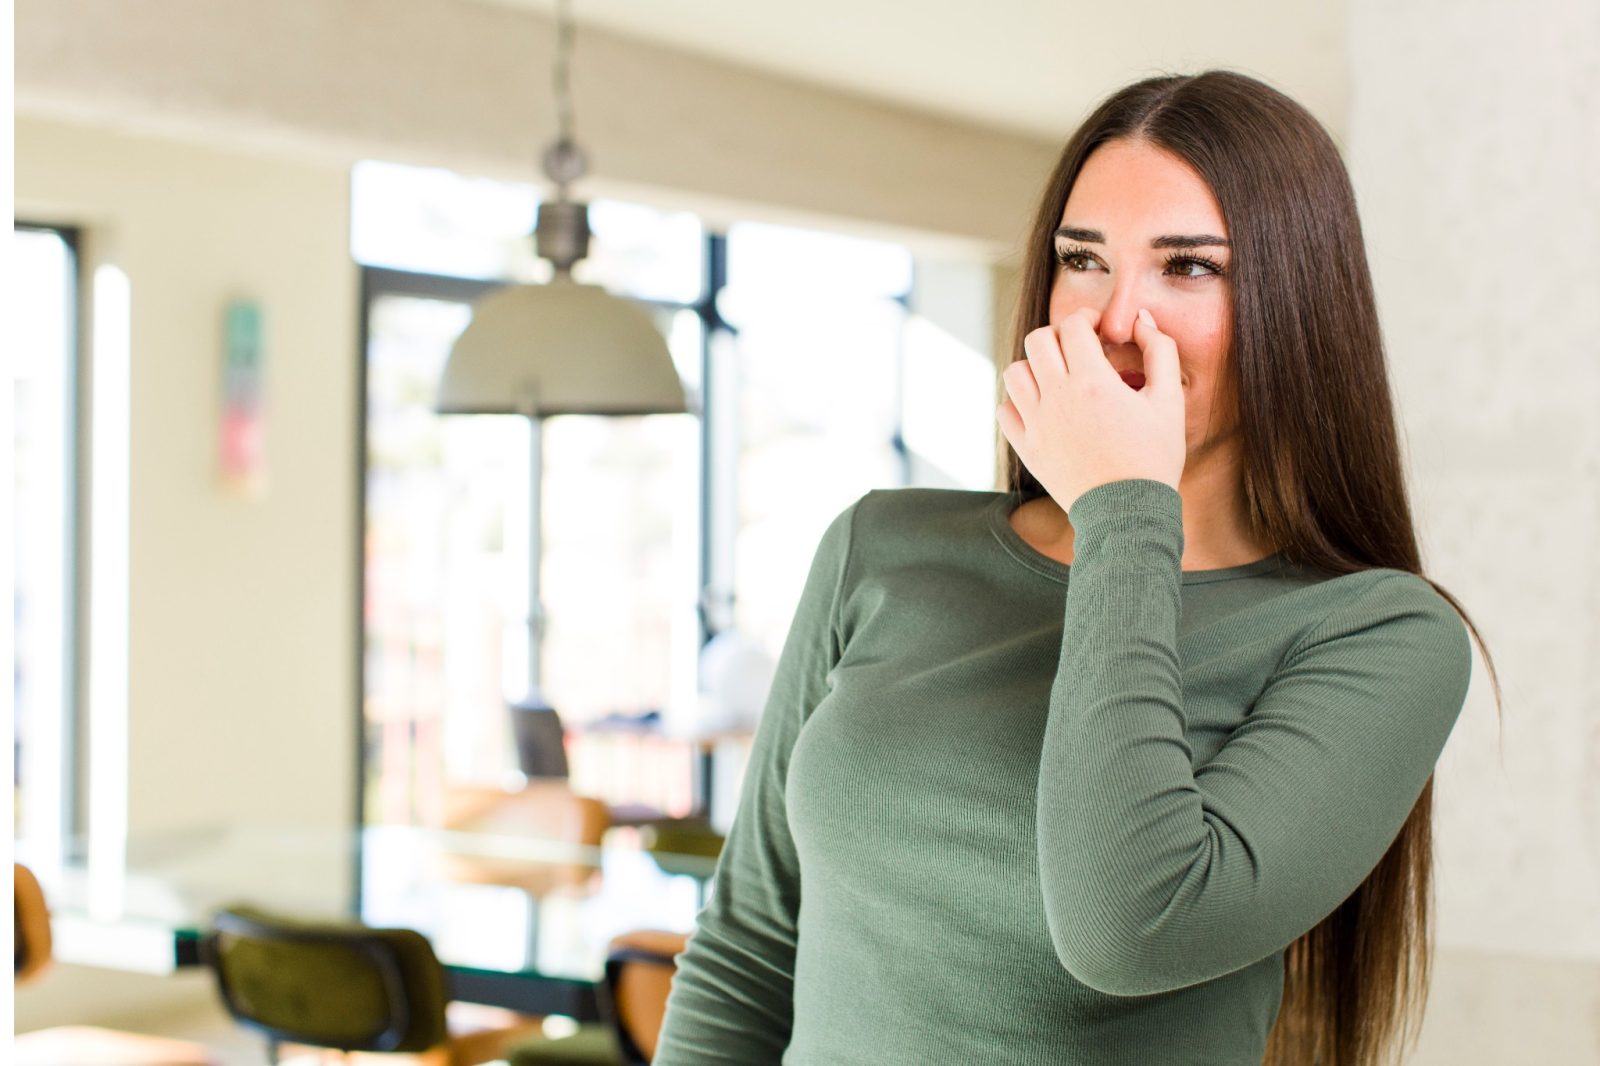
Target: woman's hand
(1076,425)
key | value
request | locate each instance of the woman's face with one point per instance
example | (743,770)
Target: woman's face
(1142,229)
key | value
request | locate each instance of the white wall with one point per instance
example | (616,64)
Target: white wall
(242,622)
(242,640)
(1475,148)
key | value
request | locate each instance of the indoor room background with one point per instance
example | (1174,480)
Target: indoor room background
(302,619)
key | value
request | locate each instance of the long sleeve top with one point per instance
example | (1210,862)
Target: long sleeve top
(1000,809)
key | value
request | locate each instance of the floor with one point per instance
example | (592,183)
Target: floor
(234,1045)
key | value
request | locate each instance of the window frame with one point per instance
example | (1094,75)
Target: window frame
(72,780)
(377,282)
(718,457)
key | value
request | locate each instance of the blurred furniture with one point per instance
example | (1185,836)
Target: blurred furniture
(347,987)
(540,738)
(639,970)
(500,946)
(32,918)
(544,810)
(639,974)
(703,748)
(78,1045)
(680,845)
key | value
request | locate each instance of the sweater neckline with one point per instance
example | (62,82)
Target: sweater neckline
(999,512)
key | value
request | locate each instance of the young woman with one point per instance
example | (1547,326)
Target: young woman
(1131,763)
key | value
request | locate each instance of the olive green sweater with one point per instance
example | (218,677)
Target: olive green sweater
(1003,810)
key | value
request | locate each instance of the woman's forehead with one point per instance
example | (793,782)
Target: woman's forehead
(1130,188)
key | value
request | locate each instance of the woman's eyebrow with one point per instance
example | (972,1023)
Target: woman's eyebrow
(1197,240)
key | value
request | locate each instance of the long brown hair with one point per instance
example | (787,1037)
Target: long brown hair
(1321,468)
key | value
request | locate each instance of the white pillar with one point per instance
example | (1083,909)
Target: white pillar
(1474,143)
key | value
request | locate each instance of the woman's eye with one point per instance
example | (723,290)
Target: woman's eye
(1189,266)
(1074,260)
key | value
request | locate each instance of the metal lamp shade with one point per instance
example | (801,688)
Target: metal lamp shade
(559,348)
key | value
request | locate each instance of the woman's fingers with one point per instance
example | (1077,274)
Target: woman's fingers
(1161,369)
(1078,342)
(1043,349)
(1021,385)
(1010,422)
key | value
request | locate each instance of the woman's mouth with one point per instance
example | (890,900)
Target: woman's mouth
(1134,378)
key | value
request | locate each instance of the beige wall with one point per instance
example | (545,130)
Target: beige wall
(1474,150)
(467,86)
(242,642)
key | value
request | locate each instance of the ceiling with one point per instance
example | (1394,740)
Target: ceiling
(1030,66)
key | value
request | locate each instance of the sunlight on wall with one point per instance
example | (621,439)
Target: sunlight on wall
(108,591)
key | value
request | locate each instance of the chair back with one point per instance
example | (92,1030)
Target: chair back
(545,808)
(542,810)
(679,844)
(32,918)
(328,984)
(639,969)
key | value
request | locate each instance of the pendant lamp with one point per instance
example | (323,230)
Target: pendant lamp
(555,349)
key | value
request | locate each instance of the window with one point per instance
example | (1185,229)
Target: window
(447,546)
(820,322)
(43,370)
(657,531)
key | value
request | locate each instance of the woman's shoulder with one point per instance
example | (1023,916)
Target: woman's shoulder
(1382,605)
(1381,590)
(886,529)
(912,508)
(895,522)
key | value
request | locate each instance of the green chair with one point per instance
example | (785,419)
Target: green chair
(670,840)
(633,998)
(337,985)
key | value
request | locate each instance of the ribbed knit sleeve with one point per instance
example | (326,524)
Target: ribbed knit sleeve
(1156,874)
(732,997)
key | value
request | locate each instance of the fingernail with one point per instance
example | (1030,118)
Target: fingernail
(1144,316)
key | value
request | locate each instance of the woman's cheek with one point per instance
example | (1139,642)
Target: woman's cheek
(1066,298)
(1200,343)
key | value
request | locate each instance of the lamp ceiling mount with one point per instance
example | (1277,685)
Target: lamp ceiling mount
(564,163)
(561,347)
(561,233)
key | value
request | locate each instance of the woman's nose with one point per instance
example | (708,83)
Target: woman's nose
(1117,317)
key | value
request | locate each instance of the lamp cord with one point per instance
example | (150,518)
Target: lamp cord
(564,161)
(563,90)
